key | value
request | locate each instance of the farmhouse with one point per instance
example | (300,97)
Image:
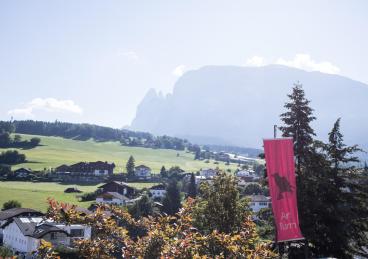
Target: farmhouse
(143,172)
(158,191)
(88,168)
(258,202)
(118,187)
(22,172)
(84,171)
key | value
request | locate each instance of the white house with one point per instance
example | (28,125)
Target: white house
(5,215)
(245,173)
(143,172)
(158,191)
(258,202)
(208,173)
(113,198)
(23,234)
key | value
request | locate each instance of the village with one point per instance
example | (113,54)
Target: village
(22,229)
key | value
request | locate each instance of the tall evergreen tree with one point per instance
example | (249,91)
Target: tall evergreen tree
(332,206)
(338,152)
(163,172)
(192,189)
(172,200)
(130,167)
(297,119)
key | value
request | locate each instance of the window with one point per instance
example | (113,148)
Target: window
(53,236)
(77,232)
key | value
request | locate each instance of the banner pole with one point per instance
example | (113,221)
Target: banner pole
(276,243)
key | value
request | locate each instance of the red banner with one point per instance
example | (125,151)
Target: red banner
(281,179)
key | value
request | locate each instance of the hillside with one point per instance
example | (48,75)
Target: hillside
(55,151)
(35,195)
(231,105)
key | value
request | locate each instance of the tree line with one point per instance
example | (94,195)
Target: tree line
(84,131)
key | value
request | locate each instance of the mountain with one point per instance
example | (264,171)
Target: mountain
(231,105)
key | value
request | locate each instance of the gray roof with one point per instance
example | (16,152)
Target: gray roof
(23,170)
(118,183)
(259,198)
(143,167)
(14,212)
(34,227)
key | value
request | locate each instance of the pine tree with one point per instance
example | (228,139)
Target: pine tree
(172,200)
(297,120)
(192,189)
(338,152)
(332,219)
(130,167)
(163,172)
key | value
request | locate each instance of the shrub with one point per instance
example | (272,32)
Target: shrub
(11,204)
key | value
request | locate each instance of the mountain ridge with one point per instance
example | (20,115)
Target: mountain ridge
(228,103)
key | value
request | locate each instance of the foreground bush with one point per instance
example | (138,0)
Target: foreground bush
(165,236)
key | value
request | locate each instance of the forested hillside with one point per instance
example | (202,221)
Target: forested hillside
(85,131)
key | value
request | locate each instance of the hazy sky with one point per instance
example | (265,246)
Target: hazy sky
(93,61)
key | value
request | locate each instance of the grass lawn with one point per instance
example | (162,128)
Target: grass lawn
(34,195)
(55,151)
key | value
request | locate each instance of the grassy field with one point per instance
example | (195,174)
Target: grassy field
(55,151)
(34,195)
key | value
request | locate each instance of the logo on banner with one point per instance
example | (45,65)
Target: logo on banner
(283,185)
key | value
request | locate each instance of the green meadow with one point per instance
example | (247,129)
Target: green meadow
(35,195)
(55,151)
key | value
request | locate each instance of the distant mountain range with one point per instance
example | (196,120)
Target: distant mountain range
(228,105)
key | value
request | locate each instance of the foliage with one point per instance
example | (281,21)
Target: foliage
(12,157)
(265,224)
(90,196)
(163,172)
(192,189)
(85,131)
(142,208)
(296,120)
(172,200)
(130,167)
(166,236)
(219,206)
(11,204)
(338,152)
(6,128)
(253,189)
(5,252)
(175,173)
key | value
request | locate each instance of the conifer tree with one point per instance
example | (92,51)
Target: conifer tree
(338,152)
(172,200)
(163,172)
(297,119)
(192,189)
(332,204)
(130,167)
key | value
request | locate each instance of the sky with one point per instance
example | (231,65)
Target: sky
(93,61)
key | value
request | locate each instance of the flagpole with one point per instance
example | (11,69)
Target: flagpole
(276,243)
